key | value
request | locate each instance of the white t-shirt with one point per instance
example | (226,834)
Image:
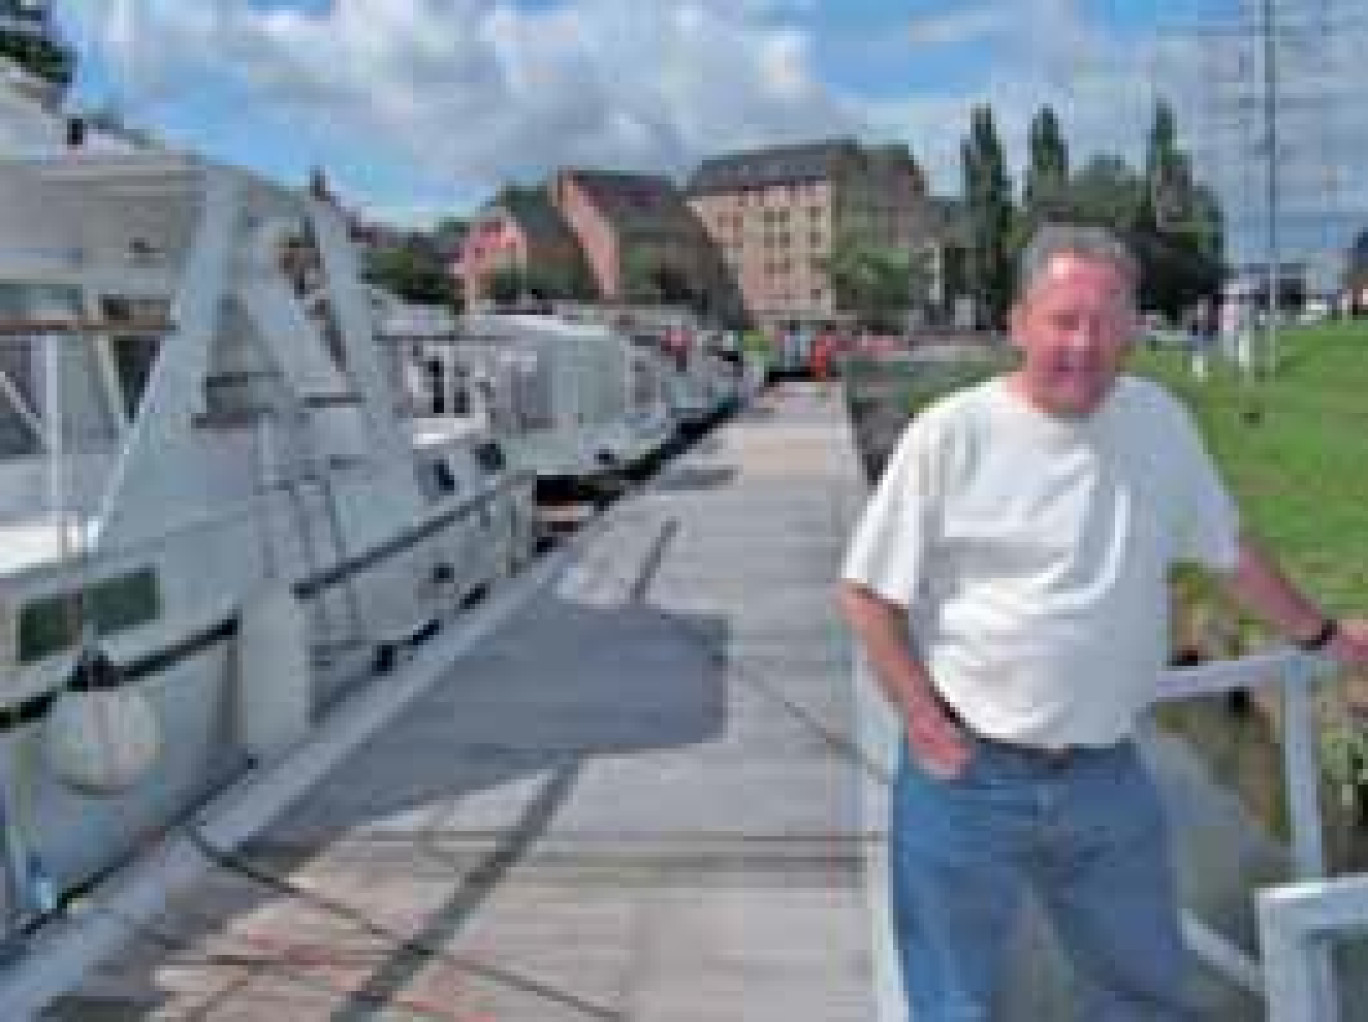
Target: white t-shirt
(1033,553)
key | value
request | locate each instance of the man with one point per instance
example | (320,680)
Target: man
(1027,526)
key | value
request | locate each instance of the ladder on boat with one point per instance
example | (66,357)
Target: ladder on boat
(305,477)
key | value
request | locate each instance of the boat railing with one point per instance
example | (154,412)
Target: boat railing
(1298,921)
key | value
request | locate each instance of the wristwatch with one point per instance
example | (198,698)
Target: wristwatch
(1326,635)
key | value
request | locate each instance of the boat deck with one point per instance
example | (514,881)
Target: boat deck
(630,803)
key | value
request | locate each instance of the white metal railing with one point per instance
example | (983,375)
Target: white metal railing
(1297,921)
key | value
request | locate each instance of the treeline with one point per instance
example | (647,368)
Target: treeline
(1172,221)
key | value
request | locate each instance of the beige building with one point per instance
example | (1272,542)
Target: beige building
(776,214)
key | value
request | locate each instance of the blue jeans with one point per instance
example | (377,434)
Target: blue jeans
(1088,837)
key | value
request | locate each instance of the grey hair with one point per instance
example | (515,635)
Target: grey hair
(1086,241)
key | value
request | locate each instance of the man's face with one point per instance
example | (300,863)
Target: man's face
(1074,328)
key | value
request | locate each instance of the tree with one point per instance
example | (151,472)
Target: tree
(1180,228)
(414,271)
(1168,174)
(1180,263)
(650,279)
(879,284)
(449,233)
(1107,191)
(988,195)
(1045,193)
(541,281)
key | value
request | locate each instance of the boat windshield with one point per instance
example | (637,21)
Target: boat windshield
(37,338)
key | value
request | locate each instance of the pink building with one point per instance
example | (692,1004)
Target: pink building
(520,229)
(642,241)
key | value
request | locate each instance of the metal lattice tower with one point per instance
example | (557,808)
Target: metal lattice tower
(1273,89)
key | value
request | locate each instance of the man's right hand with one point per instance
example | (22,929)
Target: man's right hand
(940,745)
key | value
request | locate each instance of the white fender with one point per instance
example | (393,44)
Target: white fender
(101,741)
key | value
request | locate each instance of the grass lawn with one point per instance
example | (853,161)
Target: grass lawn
(1300,471)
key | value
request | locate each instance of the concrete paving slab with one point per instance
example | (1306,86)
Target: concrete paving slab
(624,806)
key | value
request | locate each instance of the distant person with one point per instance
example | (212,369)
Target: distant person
(1237,334)
(1203,333)
(1008,584)
(823,351)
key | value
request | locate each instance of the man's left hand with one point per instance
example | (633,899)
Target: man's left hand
(1350,645)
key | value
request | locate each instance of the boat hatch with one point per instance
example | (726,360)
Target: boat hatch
(50,624)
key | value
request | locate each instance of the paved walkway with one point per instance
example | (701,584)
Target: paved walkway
(630,804)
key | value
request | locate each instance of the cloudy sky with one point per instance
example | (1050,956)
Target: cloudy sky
(420,107)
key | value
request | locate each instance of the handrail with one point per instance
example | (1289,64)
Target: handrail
(82,327)
(1297,920)
(1295,673)
(1296,925)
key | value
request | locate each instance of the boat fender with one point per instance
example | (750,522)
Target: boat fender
(100,736)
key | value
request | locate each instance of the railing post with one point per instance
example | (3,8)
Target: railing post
(1301,769)
(1299,977)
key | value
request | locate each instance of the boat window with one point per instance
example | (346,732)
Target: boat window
(460,390)
(434,380)
(18,438)
(532,399)
(53,623)
(443,477)
(20,302)
(490,456)
(444,387)
(88,418)
(134,353)
(644,388)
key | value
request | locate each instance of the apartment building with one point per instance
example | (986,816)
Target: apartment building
(778,214)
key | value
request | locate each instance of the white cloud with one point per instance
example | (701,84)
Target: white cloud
(955,27)
(477,91)
(1103,86)
(1043,52)
(465,94)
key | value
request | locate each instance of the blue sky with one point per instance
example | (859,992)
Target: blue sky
(420,107)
